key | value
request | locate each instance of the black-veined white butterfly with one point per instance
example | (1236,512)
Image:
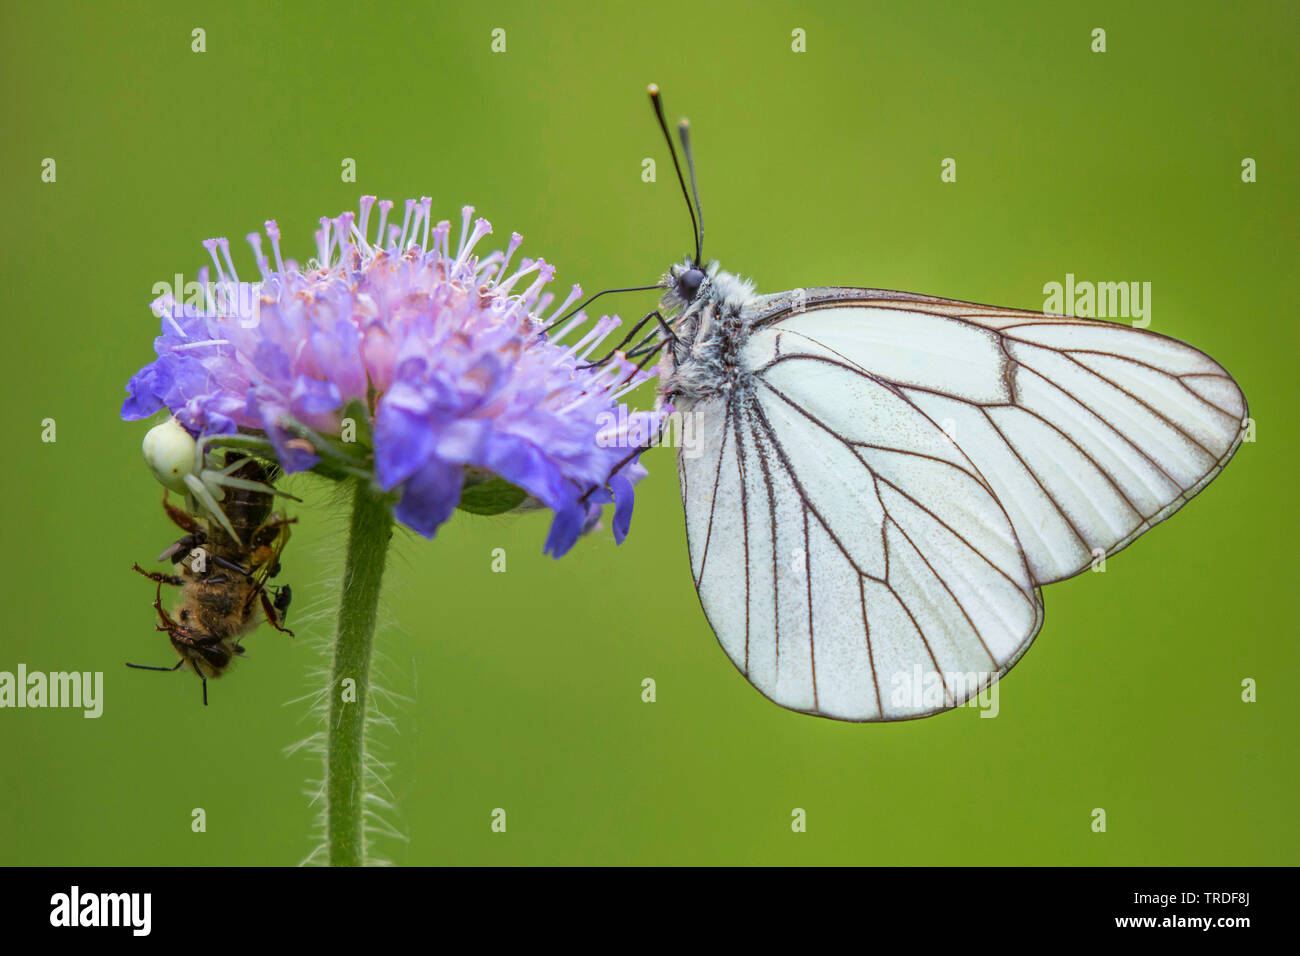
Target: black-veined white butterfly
(886,480)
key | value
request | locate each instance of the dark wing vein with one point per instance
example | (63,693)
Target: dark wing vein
(1160,415)
(947,697)
(713,501)
(771,515)
(803,496)
(1175,376)
(1128,441)
(744,520)
(840,438)
(866,632)
(1029,471)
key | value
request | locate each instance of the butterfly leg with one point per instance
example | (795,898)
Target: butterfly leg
(663,326)
(659,433)
(650,354)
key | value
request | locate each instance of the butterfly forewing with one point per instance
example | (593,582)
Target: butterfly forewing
(1088,432)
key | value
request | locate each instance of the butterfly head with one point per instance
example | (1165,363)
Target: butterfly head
(685,279)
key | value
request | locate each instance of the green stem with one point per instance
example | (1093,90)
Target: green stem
(372,527)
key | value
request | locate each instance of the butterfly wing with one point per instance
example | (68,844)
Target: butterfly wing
(870,522)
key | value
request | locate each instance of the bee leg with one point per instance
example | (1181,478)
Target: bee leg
(174,579)
(230,566)
(272,617)
(150,667)
(177,631)
(182,519)
(195,665)
(167,623)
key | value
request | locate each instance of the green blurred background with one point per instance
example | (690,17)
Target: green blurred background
(523,690)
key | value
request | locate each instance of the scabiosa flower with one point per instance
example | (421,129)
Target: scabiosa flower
(447,356)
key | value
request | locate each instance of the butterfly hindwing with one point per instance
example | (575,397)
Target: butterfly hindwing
(852,561)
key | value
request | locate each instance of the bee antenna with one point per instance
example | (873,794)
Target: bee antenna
(655,101)
(684,133)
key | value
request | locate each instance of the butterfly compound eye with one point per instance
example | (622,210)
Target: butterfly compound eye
(689,282)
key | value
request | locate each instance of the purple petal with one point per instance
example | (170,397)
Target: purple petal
(144,393)
(565,529)
(623,496)
(313,397)
(527,467)
(270,360)
(430,496)
(404,436)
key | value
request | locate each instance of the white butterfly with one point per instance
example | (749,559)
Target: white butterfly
(887,479)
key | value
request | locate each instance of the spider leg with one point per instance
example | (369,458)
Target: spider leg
(200,491)
(235,465)
(226,477)
(325,448)
(233,440)
(229,481)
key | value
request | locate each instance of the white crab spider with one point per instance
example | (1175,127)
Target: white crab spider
(179,462)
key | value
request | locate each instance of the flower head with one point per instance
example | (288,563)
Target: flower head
(446,354)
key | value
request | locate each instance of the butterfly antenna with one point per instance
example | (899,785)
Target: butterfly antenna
(684,132)
(586,302)
(653,89)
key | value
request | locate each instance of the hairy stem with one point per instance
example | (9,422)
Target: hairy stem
(368,537)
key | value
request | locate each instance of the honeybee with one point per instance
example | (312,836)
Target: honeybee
(222,578)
